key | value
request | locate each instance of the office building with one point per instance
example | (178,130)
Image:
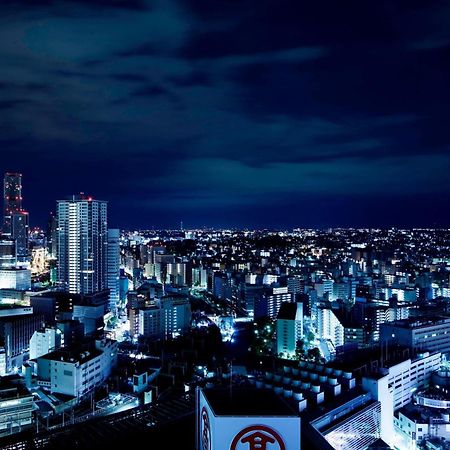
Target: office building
(19,232)
(16,278)
(295,284)
(430,333)
(52,236)
(72,332)
(77,372)
(12,197)
(82,245)
(53,305)
(406,377)
(179,274)
(15,219)
(7,252)
(89,309)
(168,317)
(16,330)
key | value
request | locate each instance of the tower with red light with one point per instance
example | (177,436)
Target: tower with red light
(12,198)
(15,218)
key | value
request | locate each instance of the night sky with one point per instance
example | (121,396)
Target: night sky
(246,113)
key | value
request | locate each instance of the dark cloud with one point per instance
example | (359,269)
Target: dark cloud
(134,5)
(271,26)
(151,90)
(194,78)
(130,77)
(147,49)
(24,87)
(10,104)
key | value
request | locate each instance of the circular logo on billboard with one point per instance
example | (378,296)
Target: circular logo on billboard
(206,430)
(257,437)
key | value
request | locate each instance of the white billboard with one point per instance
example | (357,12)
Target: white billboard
(216,432)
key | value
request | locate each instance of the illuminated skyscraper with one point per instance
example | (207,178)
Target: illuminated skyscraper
(113,267)
(19,232)
(82,244)
(12,197)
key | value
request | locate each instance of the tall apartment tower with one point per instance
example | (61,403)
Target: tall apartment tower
(12,197)
(113,268)
(82,244)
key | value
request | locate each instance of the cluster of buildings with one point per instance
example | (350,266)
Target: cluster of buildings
(338,339)
(53,348)
(375,303)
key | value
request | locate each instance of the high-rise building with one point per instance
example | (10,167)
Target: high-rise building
(52,236)
(12,190)
(19,232)
(113,268)
(82,244)
(15,219)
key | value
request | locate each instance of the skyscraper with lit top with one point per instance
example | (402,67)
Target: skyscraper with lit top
(15,218)
(82,244)
(12,197)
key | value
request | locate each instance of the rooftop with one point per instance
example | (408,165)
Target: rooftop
(72,356)
(287,311)
(247,402)
(11,388)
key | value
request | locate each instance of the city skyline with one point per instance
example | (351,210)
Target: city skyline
(247,114)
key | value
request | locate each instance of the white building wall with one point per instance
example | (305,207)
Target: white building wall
(329,327)
(79,376)
(44,341)
(409,376)
(18,279)
(289,332)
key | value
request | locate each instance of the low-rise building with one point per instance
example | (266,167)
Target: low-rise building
(420,334)
(76,373)
(408,376)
